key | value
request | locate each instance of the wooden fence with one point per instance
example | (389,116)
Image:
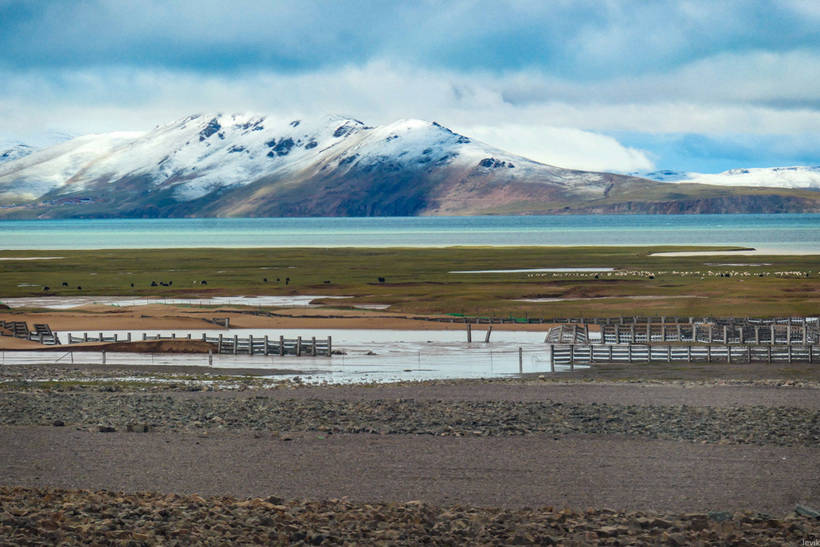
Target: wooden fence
(711,333)
(587,354)
(235,345)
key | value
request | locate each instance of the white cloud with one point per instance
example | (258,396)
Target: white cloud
(525,111)
(564,147)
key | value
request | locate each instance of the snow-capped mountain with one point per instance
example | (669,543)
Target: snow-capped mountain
(769,177)
(255,165)
(14,152)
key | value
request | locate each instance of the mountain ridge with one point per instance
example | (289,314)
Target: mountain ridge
(255,165)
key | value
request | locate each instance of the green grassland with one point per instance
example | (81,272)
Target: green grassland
(418,280)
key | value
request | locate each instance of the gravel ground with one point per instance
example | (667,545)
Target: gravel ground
(52,516)
(754,425)
(475,455)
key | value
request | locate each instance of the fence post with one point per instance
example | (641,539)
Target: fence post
(610,353)
(790,353)
(757,336)
(725,334)
(313,348)
(728,353)
(520,360)
(552,357)
(281,346)
(210,358)
(811,347)
(219,344)
(329,346)
(144,337)
(770,354)
(103,357)
(489,332)
(668,354)
(469,333)
(711,334)
(771,341)
(203,337)
(266,344)
(572,357)
(689,353)
(250,344)
(629,348)
(235,343)
(709,353)
(299,346)
(748,354)
(85,337)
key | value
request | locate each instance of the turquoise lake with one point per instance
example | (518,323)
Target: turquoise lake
(799,233)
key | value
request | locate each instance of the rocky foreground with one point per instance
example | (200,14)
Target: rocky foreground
(673,464)
(111,411)
(53,516)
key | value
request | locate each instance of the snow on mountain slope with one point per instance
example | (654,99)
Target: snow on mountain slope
(44,170)
(773,177)
(200,154)
(769,177)
(14,152)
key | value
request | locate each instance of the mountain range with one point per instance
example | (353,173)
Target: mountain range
(250,165)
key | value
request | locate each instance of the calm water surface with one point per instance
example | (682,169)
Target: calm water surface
(788,232)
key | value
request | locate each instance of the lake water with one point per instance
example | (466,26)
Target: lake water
(799,233)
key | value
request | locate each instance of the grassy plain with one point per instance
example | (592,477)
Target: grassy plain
(419,280)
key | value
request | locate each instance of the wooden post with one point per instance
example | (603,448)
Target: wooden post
(586,332)
(189,336)
(772,329)
(520,360)
(235,344)
(552,357)
(281,346)
(757,336)
(299,346)
(629,352)
(266,345)
(811,348)
(219,344)
(85,337)
(115,336)
(250,344)
(572,357)
(740,334)
(689,353)
(663,330)
(610,353)
(770,354)
(632,334)
(678,333)
(668,354)
(709,353)
(748,354)
(144,336)
(725,334)
(313,349)
(203,337)
(489,332)
(469,333)
(790,354)
(210,358)
(101,337)
(103,357)
(728,354)
(789,333)
(805,333)
(618,334)
(711,338)
(649,333)
(329,346)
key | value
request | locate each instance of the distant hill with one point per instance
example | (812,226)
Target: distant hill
(251,165)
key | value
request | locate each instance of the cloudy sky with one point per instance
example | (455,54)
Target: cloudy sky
(609,85)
